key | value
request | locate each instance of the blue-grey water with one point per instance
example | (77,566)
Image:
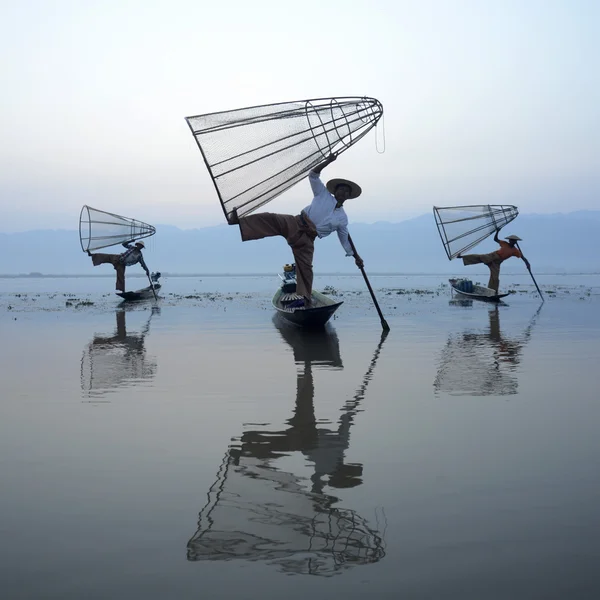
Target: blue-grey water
(199,448)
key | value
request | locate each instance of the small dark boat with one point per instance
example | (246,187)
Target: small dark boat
(146,293)
(320,311)
(466,288)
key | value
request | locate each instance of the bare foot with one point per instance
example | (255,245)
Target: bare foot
(233,218)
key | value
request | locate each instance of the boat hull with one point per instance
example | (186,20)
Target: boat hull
(307,317)
(479,292)
(143,294)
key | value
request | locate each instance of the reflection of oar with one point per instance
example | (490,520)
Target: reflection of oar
(351,405)
(532,277)
(384,324)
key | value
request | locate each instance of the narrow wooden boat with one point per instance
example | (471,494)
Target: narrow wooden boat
(143,294)
(320,311)
(466,288)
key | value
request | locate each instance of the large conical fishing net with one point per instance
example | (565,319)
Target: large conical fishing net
(463,227)
(254,154)
(100,229)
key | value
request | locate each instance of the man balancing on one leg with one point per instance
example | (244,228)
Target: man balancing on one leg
(493,260)
(130,257)
(323,216)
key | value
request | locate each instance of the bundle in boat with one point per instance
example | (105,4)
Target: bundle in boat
(463,227)
(255,154)
(100,229)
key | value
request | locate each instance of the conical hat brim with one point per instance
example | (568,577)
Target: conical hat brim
(513,237)
(355,190)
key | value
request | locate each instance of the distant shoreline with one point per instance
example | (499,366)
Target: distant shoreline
(270,274)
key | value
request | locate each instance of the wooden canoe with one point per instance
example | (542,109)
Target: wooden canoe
(479,292)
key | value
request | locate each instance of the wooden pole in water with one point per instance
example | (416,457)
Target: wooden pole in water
(152,286)
(384,324)
(532,277)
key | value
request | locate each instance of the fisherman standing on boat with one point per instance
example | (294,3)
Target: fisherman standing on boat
(323,216)
(130,257)
(493,260)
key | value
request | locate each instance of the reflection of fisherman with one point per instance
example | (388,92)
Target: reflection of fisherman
(258,511)
(493,260)
(130,257)
(322,217)
(110,361)
(482,363)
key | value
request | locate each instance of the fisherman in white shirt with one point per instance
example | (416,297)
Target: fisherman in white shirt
(323,216)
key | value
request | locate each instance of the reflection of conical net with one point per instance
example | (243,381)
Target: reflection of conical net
(256,512)
(463,227)
(110,362)
(99,229)
(254,154)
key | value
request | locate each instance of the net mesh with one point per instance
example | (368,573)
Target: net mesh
(254,154)
(463,227)
(100,229)
(258,513)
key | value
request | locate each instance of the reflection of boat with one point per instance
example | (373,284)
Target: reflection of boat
(482,364)
(113,361)
(146,293)
(476,292)
(258,510)
(321,310)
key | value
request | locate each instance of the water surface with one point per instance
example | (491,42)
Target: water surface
(198,447)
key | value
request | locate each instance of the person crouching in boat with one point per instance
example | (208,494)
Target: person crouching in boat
(130,257)
(323,216)
(493,260)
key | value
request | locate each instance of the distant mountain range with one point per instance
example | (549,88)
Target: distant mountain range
(552,243)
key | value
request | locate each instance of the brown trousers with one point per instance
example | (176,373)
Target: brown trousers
(300,233)
(114,260)
(493,262)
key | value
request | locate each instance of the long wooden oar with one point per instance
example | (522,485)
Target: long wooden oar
(152,286)
(384,324)
(532,277)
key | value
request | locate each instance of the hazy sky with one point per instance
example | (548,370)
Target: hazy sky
(484,101)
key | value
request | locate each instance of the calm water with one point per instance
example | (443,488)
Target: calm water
(200,448)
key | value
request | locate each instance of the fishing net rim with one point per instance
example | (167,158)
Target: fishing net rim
(84,207)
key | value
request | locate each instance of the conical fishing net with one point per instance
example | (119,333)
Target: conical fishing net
(254,154)
(463,227)
(100,229)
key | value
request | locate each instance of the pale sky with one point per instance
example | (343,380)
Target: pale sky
(485,101)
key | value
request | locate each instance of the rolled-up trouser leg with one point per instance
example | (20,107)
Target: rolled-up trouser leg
(262,225)
(472,259)
(494,282)
(120,285)
(102,259)
(303,250)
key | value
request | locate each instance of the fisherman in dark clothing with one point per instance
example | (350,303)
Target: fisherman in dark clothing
(130,257)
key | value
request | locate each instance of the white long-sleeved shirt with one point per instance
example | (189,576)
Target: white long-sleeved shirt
(326,217)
